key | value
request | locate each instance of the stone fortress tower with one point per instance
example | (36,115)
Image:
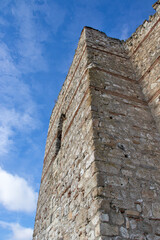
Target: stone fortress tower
(101,172)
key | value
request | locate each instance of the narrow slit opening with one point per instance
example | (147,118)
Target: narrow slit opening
(59,133)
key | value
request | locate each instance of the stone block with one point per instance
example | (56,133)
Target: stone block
(156,210)
(132,213)
(124,232)
(108,230)
(117,218)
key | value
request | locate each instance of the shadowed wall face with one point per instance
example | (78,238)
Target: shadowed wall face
(101,173)
(144,50)
(126,139)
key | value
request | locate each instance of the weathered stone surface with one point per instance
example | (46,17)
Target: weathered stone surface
(117,218)
(133,224)
(156,210)
(124,232)
(157,230)
(104,217)
(139,208)
(144,227)
(132,213)
(108,230)
(101,172)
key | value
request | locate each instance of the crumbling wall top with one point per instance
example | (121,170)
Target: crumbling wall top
(139,35)
(156,5)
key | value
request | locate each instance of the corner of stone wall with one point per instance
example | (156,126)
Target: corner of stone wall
(143,50)
(95,212)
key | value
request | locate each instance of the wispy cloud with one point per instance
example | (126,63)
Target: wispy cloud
(16,194)
(32,34)
(17,108)
(53,13)
(11,123)
(124,32)
(18,232)
(6,141)
(8,67)
(24,57)
(30,38)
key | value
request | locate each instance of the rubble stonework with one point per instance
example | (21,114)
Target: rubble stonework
(101,172)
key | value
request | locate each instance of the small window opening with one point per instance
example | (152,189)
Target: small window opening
(59,133)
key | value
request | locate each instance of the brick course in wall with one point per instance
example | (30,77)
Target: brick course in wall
(101,172)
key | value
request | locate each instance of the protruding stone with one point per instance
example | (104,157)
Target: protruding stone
(104,217)
(95,220)
(132,213)
(124,232)
(139,208)
(127,223)
(133,224)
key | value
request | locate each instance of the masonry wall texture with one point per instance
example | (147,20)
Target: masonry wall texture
(101,173)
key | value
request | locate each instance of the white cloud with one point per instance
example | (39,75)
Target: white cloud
(17,108)
(16,194)
(6,62)
(30,38)
(32,33)
(12,118)
(125,32)
(18,232)
(11,123)
(6,141)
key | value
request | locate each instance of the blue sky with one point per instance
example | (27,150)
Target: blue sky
(38,39)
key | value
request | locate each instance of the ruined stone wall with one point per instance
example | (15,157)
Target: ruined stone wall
(65,204)
(101,173)
(144,51)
